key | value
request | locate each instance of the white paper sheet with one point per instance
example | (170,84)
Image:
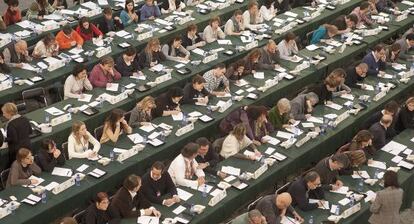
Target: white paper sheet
(63,172)
(230,170)
(54,111)
(183,195)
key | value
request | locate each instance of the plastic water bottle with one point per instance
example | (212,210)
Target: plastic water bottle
(352,201)
(361,185)
(112,155)
(204,190)
(77,180)
(337,210)
(310,221)
(12,208)
(47,117)
(192,209)
(376,174)
(100,102)
(295,132)
(377,89)
(122,89)
(412,69)
(44,197)
(184,121)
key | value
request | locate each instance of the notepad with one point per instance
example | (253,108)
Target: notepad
(285,135)
(179,210)
(147,128)
(271,140)
(54,111)
(63,172)
(85,98)
(82,168)
(50,186)
(183,195)
(258,75)
(112,87)
(148,220)
(377,164)
(341,190)
(178,117)
(230,170)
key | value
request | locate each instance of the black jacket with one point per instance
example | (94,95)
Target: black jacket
(157,191)
(122,204)
(124,69)
(301,194)
(405,120)
(379,133)
(48,162)
(212,158)
(190,93)
(18,132)
(95,216)
(110,25)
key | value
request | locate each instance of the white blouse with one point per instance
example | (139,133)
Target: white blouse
(82,150)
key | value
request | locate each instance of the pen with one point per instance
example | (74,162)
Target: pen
(287,217)
(150,221)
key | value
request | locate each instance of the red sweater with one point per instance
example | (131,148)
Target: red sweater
(11,18)
(88,36)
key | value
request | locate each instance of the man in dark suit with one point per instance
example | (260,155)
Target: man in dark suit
(328,169)
(158,186)
(207,158)
(391,108)
(355,75)
(305,187)
(379,131)
(110,23)
(376,60)
(130,202)
(275,206)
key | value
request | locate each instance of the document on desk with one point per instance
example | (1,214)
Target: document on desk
(50,186)
(258,75)
(63,172)
(341,190)
(288,220)
(331,116)
(313,119)
(178,117)
(325,204)
(283,134)
(39,181)
(230,170)
(147,128)
(183,195)
(344,201)
(118,150)
(271,140)
(199,51)
(334,106)
(82,168)
(224,42)
(28,67)
(370,196)
(85,98)
(308,125)
(148,220)
(406,165)
(112,87)
(179,210)
(54,111)
(229,178)
(377,164)
(360,174)
(394,148)
(75,50)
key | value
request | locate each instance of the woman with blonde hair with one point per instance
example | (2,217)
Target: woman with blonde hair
(78,142)
(406,116)
(151,55)
(237,141)
(114,124)
(142,112)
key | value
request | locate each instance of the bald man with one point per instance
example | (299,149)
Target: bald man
(275,206)
(379,131)
(356,75)
(16,53)
(269,56)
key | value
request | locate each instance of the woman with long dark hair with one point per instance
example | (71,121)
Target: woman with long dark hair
(87,30)
(114,124)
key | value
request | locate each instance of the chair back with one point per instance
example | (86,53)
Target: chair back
(98,132)
(3,177)
(65,150)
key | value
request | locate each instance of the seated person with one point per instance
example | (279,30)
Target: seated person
(304,188)
(130,202)
(68,38)
(361,141)
(275,206)
(328,170)
(98,211)
(151,55)
(150,11)
(184,167)
(104,73)
(110,23)
(345,23)
(379,131)
(386,6)
(114,124)
(128,14)
(169,6)
(300,3)
(302,106)
(288,47)
(16,53)
(127,64)
(234,118)
(269,56)
(142,113)
(392,53)
(325,31)
(195,92)
(47,47)
(174,51)
(235,71)
(59,4)
(406,116)
(236,141)
(213,32)
(168,103)
(234,26)
(252,18)
(279,115)
(252,61)
(355,75)
(87,30)
(23,168)
(50,156)
(376,60)
(356,159)
(362,13)
(207,158)
(191,40)
(268,10)
(78,142)
(158,186)
(406,45)
(12,14)
(253,216)
(258,123)
(39,9)
(215,78)
(282,6)
(76,83)
(324,90)
(391,108)
(342,88)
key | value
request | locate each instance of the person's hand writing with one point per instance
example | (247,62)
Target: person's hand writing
(201,181)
